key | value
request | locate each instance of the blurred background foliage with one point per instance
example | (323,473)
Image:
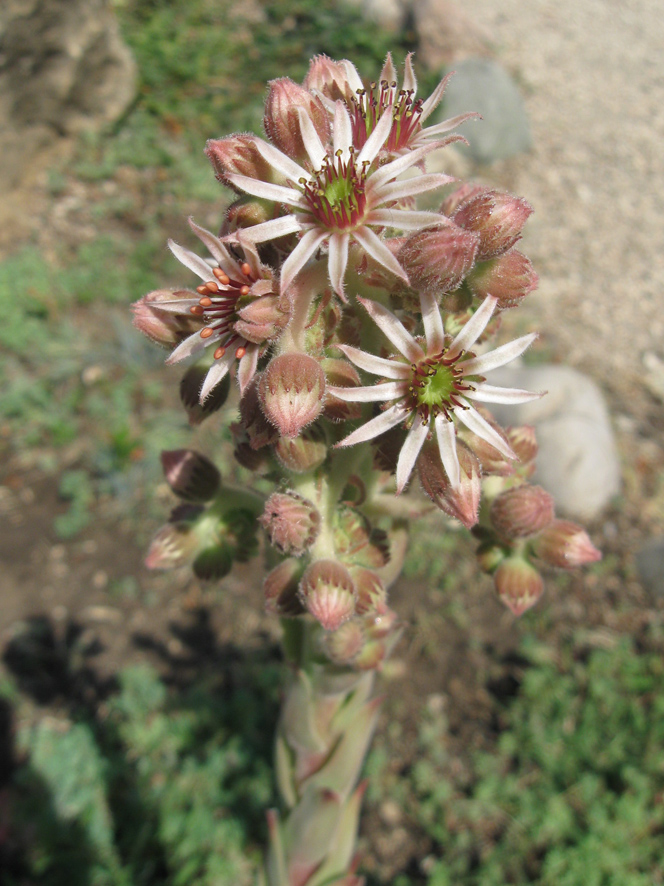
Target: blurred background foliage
(157,783)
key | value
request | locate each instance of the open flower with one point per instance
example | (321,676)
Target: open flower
(342,196)
(366,107)
(237,304)
(433,385)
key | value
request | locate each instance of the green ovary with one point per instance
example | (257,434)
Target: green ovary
(338,191)
(437,388)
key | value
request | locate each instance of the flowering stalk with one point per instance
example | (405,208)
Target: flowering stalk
(359,332)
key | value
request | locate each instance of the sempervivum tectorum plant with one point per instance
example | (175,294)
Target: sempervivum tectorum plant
(362,331)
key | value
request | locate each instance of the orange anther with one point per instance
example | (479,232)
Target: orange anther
(221,276)
(219,353)
(205,302)
(244,290)
(240,353)
(207,332)
(246,269)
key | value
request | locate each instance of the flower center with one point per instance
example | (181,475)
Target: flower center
(336,194)
(437,386)
(218,304)
(368,107)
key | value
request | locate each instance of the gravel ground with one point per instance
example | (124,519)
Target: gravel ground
(592,73)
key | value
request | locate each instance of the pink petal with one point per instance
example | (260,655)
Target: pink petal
(409,452)
(451,123)
(298,258)
(471,418)
(377,365)
(194,344)
(270,230)
(389,72)
(409,80)
(342,130)
(267,191)
(374,428)
(433,101)
(433,323)
(215,247)
(499,356)
(377,138)
(413,186)
(395,167)
(217,371)
(446,436)
(354,79)
(492,394)
(312,143)
(393,329)
(280,161)
(369,394)
(177,306)
(374,246)
(247,366)
(190,260)
(338,260)
(406,219)
(473,328)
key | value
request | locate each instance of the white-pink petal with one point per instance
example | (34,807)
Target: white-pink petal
(216,373)
(311,140)
(190,260)
(446,437)
(476,423)
(409,451)
(395,167)
(389,72)
(309,243)
(269,230)
(493,394)
(377,139)
(410,187)
(499,356)
(177,306)
(247,366)
(343,131)
(267,191)
(390,390)
(338,260)
(409,79)
(433,101)
(194,344)
(374,247)
(374,364)
(449,124)
(473,328)
(433,323)
(393,329)
(375,427)
(406,219)
(279,161)
(216,248)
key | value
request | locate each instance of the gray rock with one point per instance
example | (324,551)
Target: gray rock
(446,34)
(482,85)
(64,68)
(577,460)
(650,566)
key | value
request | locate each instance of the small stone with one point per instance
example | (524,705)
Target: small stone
(654,375)
(482,85)
(650,565)
(577,460)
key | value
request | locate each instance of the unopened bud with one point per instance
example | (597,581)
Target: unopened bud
(345,644)
(166,328)
(328,593)
(262,318)
(357,542)
(509,278)
(280,587)
(292,390)
(523,441)
(466,192)
(245,213)
(340,373)
(237,155)
(303,453)
(490,556)
(259,431)
(437,259)
(565,545)
(190,394)
(461,502)
(522,511)
(519,585)
(330,78)
(175,544)
(190,475)
(497,217)
(282,120)
(291,522)
(371,593)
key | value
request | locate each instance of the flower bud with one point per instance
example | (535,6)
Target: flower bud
(190,394)
(190,475)
(355,541)
(491,460)
(259,431)
(519,585)
(329,77)
(282,120)
(509,278)
(523,441)
(174,545)
(462,502)
(565,545)
(291,522)
(328,593)
(437,259)
(261,318)
(522,511)
(237,155)
(165,327)
(371,593)
(342,374)
(303,453)
(490,556)
(497,217)
(345,644)
(462,195)
(245,213)
(292,390)
(280,588)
